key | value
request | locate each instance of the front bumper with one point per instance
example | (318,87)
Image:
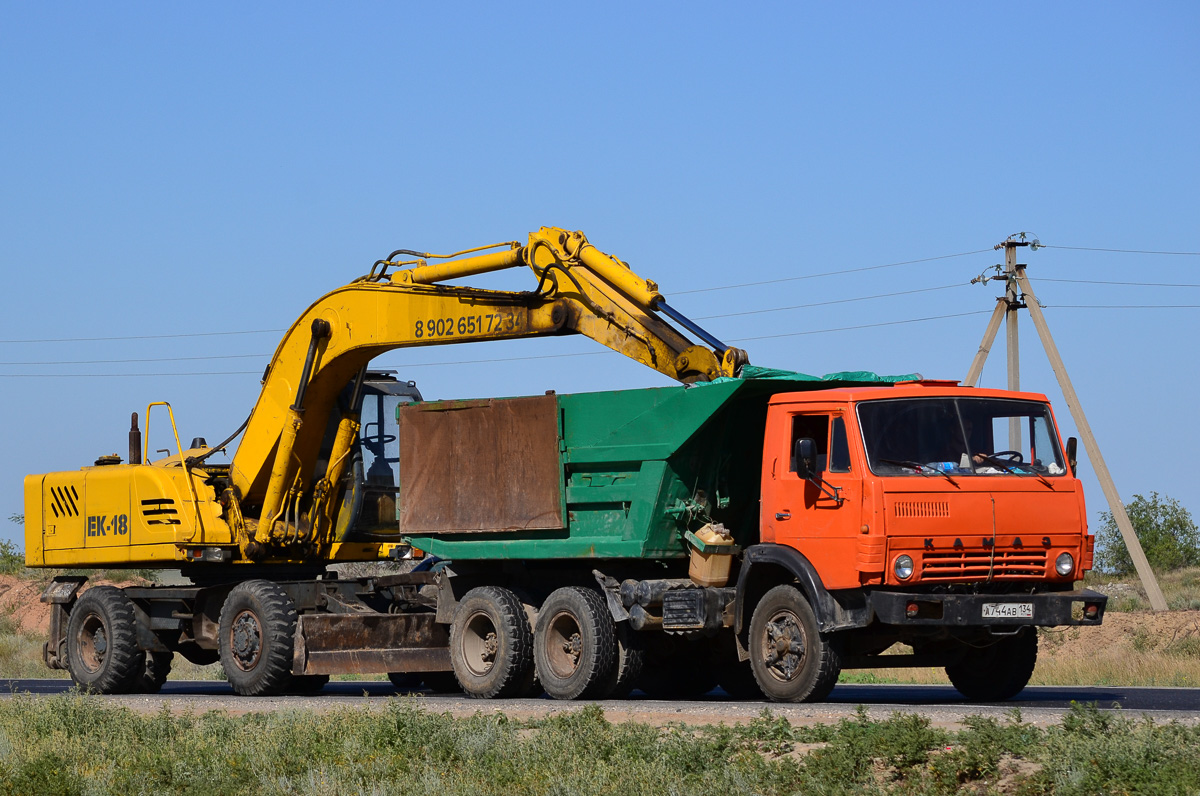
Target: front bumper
(966,610)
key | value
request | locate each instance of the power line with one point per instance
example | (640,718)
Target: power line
(834,301)
(140,337)
(1128,284)
(502,359)
(862,326)
(829,273)
(124,361)
(1123,306)
(1119,251)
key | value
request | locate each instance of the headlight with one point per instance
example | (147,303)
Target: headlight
(1064,564)
(903,567)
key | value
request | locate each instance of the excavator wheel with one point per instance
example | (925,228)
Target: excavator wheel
(102,651)
(256,635)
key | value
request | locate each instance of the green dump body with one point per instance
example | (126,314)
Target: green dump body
(635,469)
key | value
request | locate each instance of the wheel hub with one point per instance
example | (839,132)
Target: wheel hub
(785,646)
(245,640)
(93,643)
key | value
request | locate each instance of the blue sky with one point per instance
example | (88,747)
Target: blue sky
(175,170)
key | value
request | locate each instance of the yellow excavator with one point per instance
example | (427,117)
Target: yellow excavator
(273,505)
(311,483)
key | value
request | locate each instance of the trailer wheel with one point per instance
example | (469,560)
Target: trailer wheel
(102,650)
(256,637)
(490,645)
(996,672)
(628,662)
(791,659)
(574,643)
(153,673)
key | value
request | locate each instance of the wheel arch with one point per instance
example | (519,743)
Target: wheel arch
(766,566)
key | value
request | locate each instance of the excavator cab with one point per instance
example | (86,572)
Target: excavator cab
(371,483)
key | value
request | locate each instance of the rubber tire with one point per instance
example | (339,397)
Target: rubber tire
(819,662)
(107,609)
(154,671)
(490,613)
(675,668)
(736,678)
(997,672)
(583,615)
(629,661)
(272,611)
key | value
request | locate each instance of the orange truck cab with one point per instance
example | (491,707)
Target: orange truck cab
(946,518)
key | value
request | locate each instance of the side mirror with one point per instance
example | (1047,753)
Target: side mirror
(806,458)
(1072,454)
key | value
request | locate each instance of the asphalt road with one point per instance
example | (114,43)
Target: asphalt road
(941,704)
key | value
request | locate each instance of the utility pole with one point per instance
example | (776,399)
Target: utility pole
(1013,303)
(1006,307)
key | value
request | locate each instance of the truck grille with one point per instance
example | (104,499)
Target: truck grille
(974,564)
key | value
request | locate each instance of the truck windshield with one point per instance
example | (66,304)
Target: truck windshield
(968,436)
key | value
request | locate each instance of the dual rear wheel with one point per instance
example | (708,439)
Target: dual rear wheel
(575,651)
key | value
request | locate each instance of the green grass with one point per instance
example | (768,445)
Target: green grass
(75,745)
(1180,588)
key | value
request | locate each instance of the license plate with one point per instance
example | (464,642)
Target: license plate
(1008,610)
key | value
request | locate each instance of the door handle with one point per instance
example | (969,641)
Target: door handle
(783,515)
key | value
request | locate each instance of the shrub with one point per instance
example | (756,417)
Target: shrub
(1168,535)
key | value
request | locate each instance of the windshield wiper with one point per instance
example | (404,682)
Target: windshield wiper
(920,469)
(1010,467)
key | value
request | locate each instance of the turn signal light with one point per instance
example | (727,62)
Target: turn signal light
(1091,610)
(911,610)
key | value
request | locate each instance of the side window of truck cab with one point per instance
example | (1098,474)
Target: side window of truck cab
(829,436)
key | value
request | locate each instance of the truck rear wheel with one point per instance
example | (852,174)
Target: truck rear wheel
(574,643)
(629,659)
(998,671)
(102,650)
(791,659)
(491,645)
(257,634)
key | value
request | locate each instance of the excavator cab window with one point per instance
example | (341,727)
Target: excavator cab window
(371,482)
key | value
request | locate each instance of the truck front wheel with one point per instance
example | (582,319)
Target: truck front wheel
(491,645)
(102,650)
(574,644)
(257,636)
(791,659)
(996,672)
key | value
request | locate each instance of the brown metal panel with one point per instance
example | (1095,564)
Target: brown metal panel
(478,466)
(370,643)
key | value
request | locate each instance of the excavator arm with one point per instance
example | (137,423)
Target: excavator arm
(276,496)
